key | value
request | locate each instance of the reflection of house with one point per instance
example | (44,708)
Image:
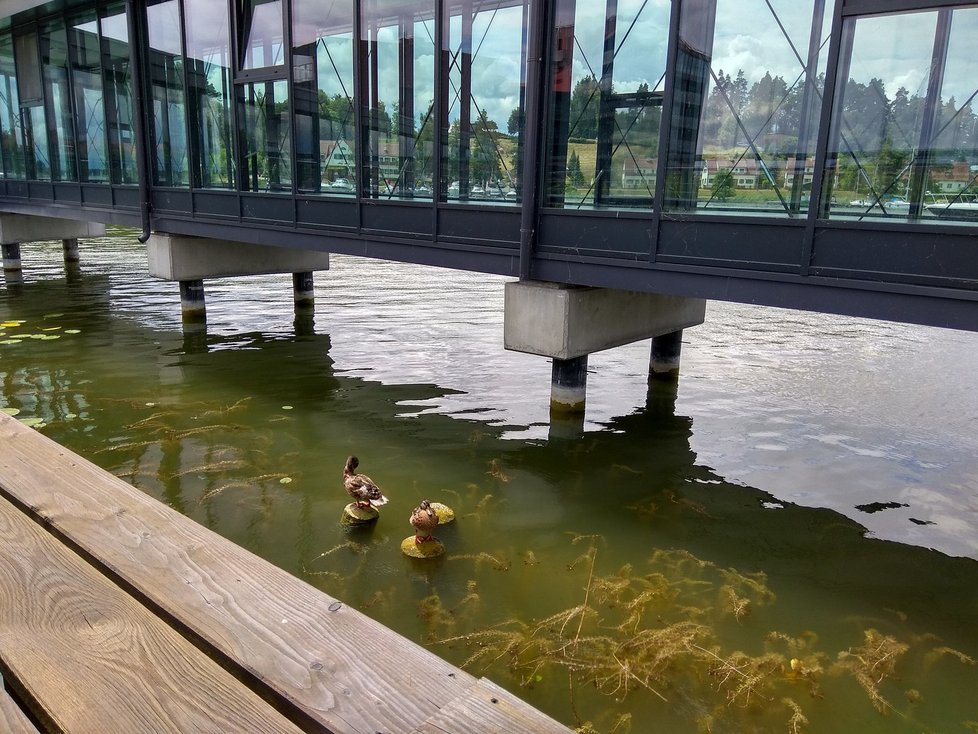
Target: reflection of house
(745,172)
(336,155)
(953,178)
(639,174)
(792,166)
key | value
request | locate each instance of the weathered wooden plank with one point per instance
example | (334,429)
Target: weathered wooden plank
(485,708)
(85,656)
(12,719)
(334,666)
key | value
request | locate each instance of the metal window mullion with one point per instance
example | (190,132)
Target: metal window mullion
(405,107)
(290,94)
(830,118)
(665,128)
(932,105)
(807,103)
(439,113)
(606,106)
(236,101)
(465,101)
(188,108)
(532,175)
(359,80)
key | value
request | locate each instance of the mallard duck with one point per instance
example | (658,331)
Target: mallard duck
(361,487)
(424,520)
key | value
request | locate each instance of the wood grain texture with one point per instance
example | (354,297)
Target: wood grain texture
(87,657)
(337,668)
(12,719)
(485,708)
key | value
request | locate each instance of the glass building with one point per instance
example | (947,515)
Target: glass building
(633,139)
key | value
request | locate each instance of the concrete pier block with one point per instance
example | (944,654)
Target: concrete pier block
(19,228)
(664,359)
(556,320)
(70,245)
(179,257)
(11,257)
(303,291)
(192,306)
(568,385)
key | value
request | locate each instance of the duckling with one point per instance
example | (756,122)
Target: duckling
(424,520)
(361,487)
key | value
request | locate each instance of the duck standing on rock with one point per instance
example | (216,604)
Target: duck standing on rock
(360,487)
(424,520)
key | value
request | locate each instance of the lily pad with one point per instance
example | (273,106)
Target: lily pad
(10,411)
(34,422)
(10,341)
(11,324)
(50,328)
(52,315)
(285,480)
(72,331)
(286,407)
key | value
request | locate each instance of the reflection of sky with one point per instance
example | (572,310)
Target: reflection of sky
(642,42)
(116,27)
(749,36)
(163,22)
(898,48)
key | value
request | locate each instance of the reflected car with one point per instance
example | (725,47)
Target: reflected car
(453,189)
(341,184)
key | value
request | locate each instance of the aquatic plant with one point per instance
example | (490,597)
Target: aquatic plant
(872,663)
(657,632)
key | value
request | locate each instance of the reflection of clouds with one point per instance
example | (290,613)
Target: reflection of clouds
(894,48)
(207,28)
(116,27)
(748,37)
(163,23)
(961,74)
(641,42)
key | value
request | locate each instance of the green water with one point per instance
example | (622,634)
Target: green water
(690,573)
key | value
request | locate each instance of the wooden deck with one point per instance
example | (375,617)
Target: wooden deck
(119,614)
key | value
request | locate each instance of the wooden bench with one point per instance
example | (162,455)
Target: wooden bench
(319,663)
(12,718)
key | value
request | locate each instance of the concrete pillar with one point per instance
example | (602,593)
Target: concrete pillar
(11,257)
(71,250)
(664,360)
(567,323)
(303,291)
(568,385)
(192,301)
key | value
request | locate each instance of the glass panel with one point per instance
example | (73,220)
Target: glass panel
(170,158)
(609,62)
(93,161)
(904,143)
(35,129)
(486,78)
(261,25)
(209,75)
(118,96)
(31,93)
(400,75)
(11,136)
(61,125)
(322,59)
(748,87)
(266,163)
